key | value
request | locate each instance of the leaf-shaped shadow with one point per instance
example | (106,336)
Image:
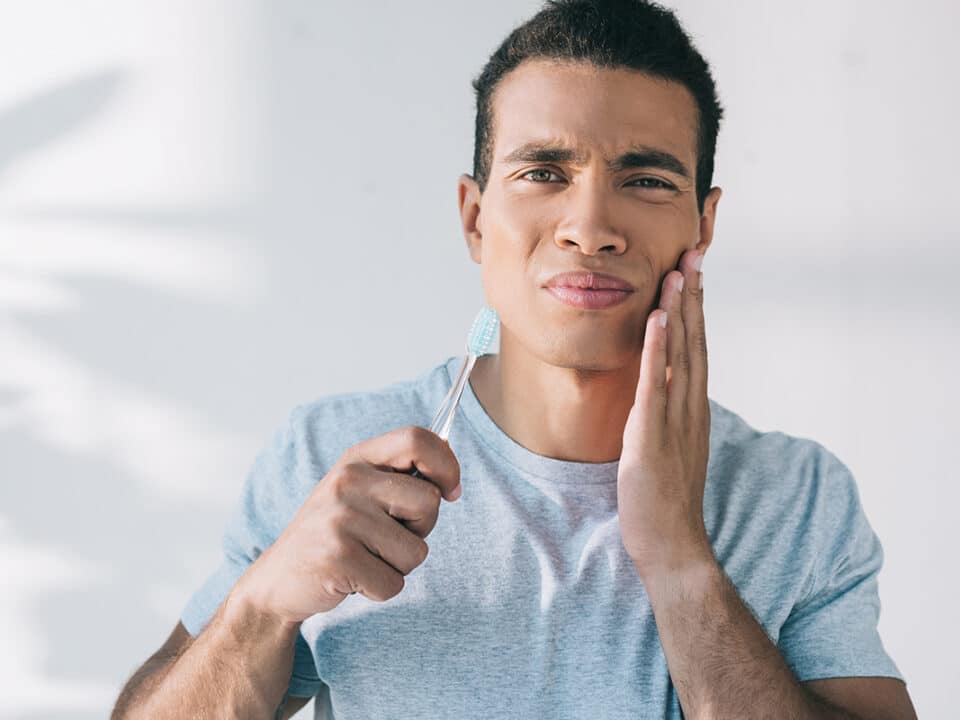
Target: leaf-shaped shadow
(60,411)
(42,119)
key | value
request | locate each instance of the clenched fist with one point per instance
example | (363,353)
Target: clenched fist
(361,529)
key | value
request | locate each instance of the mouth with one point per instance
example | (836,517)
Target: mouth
(589,290)
(589,280)
(588,298)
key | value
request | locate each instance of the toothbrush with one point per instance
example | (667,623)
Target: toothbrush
(478,340)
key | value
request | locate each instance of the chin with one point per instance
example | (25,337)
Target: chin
(587,341)
(588,354)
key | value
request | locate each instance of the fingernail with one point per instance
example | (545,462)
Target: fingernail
(680,284)
(456,492)
(698,261)
(700,280)
(663,320)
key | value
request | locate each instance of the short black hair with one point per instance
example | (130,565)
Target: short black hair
(634,34)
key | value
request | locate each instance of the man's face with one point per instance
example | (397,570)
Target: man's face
(544,214)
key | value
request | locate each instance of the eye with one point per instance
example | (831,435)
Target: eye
(539,175)
(662,183)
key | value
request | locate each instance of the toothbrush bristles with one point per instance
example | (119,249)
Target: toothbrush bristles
(482,331)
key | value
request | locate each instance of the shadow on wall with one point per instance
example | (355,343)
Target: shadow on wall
(45,118)
(100,457)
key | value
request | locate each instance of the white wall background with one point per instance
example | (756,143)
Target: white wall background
(185,188)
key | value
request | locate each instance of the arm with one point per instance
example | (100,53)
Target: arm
(721,661)
(240,664)
(724,665)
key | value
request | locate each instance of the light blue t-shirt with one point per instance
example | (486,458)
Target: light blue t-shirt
(527,605)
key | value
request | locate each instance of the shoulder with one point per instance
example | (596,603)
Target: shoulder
(774,462)
(783,501)
(786,487)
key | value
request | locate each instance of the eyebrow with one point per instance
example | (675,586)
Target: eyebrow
(637,157)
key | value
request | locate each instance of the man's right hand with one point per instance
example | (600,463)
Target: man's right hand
(361,529)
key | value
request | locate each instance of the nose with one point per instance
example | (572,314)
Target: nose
(587,223)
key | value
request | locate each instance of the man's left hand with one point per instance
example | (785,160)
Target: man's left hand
(666,440)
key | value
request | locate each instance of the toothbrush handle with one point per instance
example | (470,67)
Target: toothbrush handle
(444,417)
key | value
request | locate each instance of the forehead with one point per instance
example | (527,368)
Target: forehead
(602,109)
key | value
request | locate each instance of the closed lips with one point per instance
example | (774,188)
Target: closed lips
(587,290)
(590,281)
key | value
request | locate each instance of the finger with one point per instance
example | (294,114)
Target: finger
(414,501)
(651,398)
(372,577)
(389,540)
(677,356)
(696,337)
(411,447)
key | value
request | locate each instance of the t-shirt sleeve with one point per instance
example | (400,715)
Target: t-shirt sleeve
(832,631)
(267,503)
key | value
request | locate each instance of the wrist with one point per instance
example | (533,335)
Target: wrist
(258,648)
(247,613)
(679,585)
(674,564)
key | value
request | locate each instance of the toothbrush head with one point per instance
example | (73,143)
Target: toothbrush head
(481,334)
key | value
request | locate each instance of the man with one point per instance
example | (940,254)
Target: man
(614,544)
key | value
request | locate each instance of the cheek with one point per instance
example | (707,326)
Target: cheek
(503,273)
(509,244)
(514,230)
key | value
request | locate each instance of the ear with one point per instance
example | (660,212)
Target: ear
(708,219)
(468,194)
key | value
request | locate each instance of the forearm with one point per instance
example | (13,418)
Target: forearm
(238,667)
(721,661)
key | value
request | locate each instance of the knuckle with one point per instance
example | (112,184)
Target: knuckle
(456,468)
(414,435)
(340,479)
(430,520)
(700,342)
(360,472)
(434,495)
(413,441)
(339,488)
(391,586)
(340,519)
(421,552)
(660,384)
(427,508)
(354,469)
(351,454)
(395,585)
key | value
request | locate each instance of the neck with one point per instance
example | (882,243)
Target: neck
(563,413)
